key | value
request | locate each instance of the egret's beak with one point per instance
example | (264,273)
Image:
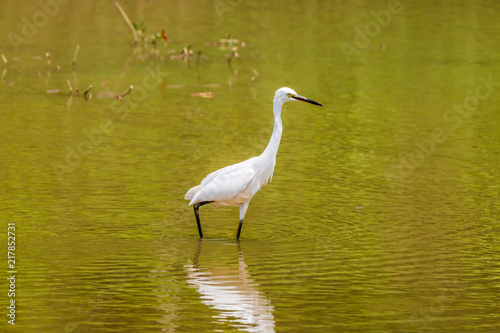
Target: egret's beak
(303,99)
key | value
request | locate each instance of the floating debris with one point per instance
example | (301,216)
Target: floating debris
(229,40)
(86,94)
(177,57)
(207,94)
(125,93)
(176,86)
(164,36)
(185,54)
(226,42)
(211,43)
(107,94)
(4,58)
(52,91)
(211,85)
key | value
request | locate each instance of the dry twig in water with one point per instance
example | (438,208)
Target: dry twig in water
(130,25)
(205,94)
(125,93)
(86,94)
(69,87)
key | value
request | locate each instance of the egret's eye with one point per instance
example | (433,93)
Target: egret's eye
(288,95)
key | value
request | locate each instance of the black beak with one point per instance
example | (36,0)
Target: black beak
(303,99)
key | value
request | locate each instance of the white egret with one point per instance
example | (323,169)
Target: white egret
(236,184)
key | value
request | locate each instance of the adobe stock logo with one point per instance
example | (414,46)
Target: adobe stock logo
(363,36)
(39,20)
(222,6)
(452,120)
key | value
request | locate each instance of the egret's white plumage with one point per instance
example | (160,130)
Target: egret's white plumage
(236,184)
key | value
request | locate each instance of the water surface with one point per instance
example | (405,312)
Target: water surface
(383,211)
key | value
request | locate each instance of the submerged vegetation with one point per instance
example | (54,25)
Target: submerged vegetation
(146,46)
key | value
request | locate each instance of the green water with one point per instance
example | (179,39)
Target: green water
(383,213)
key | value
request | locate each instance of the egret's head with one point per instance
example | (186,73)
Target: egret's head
(286,94)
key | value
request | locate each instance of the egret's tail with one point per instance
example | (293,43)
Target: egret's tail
(191,193)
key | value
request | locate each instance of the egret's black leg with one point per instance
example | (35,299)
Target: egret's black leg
(196,206)
(243,210)
(239,230)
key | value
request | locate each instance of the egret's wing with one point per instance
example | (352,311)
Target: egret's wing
(224,184)
(214,174)
(191,193)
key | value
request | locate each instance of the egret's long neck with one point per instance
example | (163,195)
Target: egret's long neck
(273,145)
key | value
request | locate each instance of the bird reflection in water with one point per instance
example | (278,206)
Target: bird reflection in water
(230,290)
